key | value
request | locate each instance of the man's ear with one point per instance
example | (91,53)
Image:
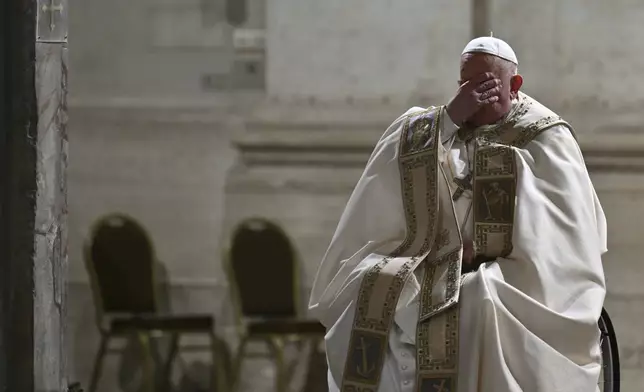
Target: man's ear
(516,82)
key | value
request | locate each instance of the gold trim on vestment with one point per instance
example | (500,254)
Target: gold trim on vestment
(418,150)
(495,178)
(437,338)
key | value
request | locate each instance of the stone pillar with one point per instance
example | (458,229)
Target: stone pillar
(50,258)
(33,231)
(481,24)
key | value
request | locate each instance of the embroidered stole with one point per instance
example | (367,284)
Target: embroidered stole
(433,238)
(495,176)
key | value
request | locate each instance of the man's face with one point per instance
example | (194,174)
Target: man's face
(476,64)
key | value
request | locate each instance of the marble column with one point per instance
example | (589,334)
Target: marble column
(50,258)
(481,18)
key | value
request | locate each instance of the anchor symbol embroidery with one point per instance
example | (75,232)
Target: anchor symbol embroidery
(364,370)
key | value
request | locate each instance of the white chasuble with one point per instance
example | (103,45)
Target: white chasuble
(399,314)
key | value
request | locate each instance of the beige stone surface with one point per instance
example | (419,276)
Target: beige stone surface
(50,226)
(167,173)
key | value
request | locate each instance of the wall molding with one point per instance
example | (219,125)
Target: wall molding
(270,132)
(601,154)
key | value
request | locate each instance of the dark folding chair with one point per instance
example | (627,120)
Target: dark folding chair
(610,378)
(121,263)
(263,271)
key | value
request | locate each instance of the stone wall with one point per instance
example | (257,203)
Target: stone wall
(371,49)
(622,196)
(166,167)
(576,56)
(163,49)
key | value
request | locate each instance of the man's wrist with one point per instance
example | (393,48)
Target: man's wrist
(449,126)
(452,118)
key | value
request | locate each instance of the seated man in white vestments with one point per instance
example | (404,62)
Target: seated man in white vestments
(468,257)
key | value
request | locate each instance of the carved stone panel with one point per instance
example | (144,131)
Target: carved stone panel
(52,21)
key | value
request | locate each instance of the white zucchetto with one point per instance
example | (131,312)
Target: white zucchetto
(493,46)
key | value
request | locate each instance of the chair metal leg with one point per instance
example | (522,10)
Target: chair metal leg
(98,362)
(172,354)
(220,379)
(148,362)
(277,347)
(238,362)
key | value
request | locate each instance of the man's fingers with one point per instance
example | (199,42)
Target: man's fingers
(489,93)
(476,81)
(488,101)
(488,85)
(484,77)
(474,93)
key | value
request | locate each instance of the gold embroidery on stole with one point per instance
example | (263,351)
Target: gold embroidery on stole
(437,338)
(495,177)
(383,283)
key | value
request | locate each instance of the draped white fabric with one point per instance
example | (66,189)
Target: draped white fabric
(528,321)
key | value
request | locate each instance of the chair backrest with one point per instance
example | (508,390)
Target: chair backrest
(263,269)
(120,260)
